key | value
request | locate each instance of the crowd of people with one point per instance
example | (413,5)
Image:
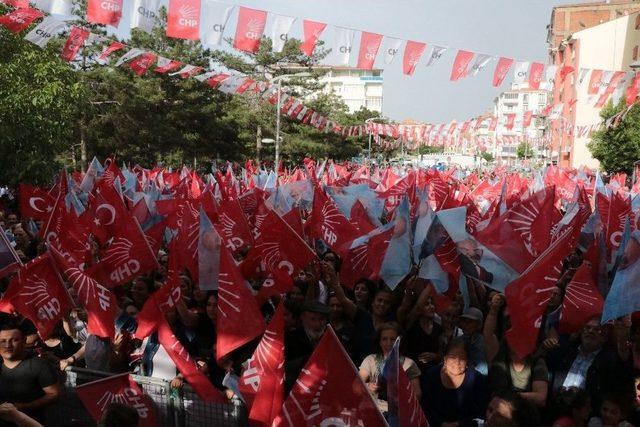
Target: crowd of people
(459,364)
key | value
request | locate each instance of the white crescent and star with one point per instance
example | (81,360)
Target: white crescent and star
(111,209)
(32,203)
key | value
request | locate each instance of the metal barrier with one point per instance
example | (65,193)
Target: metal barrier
(174,408)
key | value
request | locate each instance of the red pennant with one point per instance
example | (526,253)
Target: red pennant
(535,75)
(39,294)
(328,223)
(528,295)
(594,82)
(100,303)
(460,64)
(215,81)
(362,259)
(502,69)
(326,386)
(183,19)
(97,395)
(412,53)
(249,29)
(239,318)
(581,302)
(105,12)
(262,382)
(511,117)
(18,4)
(20,19)
(369,45)
(172,65)
(141,63)
(632,90)
(76,39)
(565,71)
(312,32)
(163,299)
(114,46)
(187,365)
(526,121)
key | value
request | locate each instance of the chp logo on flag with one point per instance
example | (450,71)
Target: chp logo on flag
(188,15)
(96,396)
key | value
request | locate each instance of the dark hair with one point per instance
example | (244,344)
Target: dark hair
(569,399)
(622,400)
(338,261)
(524,413)
(387,326)
(372,288)
(13,324)
(457,342)
(119,415)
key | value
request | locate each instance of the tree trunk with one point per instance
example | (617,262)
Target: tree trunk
(258,143)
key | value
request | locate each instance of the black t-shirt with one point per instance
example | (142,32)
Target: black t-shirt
(417,341)
(25,382)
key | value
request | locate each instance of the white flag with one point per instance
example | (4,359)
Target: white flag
(481,61)
(231,84)
(186,69)
(129,56)
(342,44)
(45,31)
(214,21)
(144,14)
(391,49)
(521,72)
(549,78)
(201,77)
(55,7)
(280,31)
(435,54)
(582,75)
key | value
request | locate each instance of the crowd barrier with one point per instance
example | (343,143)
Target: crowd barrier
(174,407)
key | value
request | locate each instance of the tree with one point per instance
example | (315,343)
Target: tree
(487,156)
(430,149)
(525,151)
(617,147)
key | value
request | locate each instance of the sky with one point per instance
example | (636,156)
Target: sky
(512,28)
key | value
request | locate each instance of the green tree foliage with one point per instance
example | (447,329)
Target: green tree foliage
(429,149)
(617,148)
(487,156)
(39,94)
(525,150)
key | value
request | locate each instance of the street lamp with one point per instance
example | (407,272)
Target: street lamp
(278,80)
(371,133)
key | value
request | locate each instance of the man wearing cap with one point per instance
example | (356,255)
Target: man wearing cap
(471,324)
(300,343)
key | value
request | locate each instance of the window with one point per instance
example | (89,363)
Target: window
(374,104)
(638,21)
(635,53)
(376,73)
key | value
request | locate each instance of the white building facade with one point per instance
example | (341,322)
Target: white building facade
(357,88)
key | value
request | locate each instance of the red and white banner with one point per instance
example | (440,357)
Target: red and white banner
(502,69)
(412,53)
(183,19)
(142,63)
(249,29)
(535,75)
(19,19)
(105,12)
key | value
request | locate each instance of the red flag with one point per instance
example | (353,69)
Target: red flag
(369,45)
(249,29)
(39,294)
(613,212)
(511,117)
(35,202)
(565,71)
(141,63)
(526,121)
(171,65)
(282,252)
(328,223)
(594,82)
(18,4)
(183,19)
(105,12)
(581,302)
(312,31)
(187,365)
(528,295)
(239,318)
(262,382)
(215,81)
(632,90)
(66,232)
(412,53)
(360,218)
(502,69)
(232,226)
(326,387)
(114,46)
(19,19)
(161,300)
(363,257)
(100,303)
(106,213)
(97,395)
(127,257)
(460,64)
(535,75)
(76,39)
